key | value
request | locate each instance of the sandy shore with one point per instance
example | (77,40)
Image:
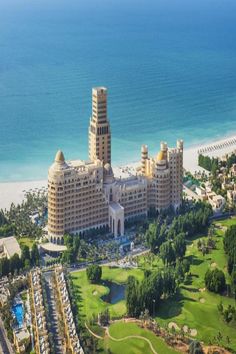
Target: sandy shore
(15,191)
(217,148)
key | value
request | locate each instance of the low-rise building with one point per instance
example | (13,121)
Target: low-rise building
(200,191)
(73,342)
(231,196)
(21,338)
(9,246)
(38,311)
(217,201)
(4,291)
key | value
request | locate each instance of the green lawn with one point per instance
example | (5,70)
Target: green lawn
(227,222)
(89,295)
(149,261)
(133,345)
(192,306)
(26,241)
(186,307)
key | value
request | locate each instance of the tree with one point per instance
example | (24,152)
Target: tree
(167,253)
(25,254)
(233,282)
(72,243)
(145,295)
(180,245)
(215,280)
(195,348)
(94,273)
(15,263)
(179,270)
(132,301)
(230,247)
(35,255)
(169,282)
(4,266)
(186,266)
(104,318)
(27,264)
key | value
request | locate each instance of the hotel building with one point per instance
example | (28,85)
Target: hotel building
(85,195)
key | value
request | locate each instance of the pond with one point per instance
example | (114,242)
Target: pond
(18,311)
(116,293)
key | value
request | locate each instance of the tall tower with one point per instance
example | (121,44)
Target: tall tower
(175,159)
(144,157)
(99,128)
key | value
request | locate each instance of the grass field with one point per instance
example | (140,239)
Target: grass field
(186,307)
(133,345)
(228,222)
(26,241)
(192,306)
(89,295)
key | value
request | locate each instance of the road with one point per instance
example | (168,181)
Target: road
(53,313)
(81,267)
(5,346)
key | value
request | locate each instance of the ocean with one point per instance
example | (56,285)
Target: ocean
(169,66)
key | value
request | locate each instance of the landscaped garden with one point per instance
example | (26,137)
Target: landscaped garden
(192,311)
(89,295)
(26,241)
(196,307)
(123,338)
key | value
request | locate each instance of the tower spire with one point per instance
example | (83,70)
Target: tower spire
(99,128)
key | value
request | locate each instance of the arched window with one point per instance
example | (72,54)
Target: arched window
(118,228)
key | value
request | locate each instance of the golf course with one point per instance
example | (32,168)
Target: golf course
(192,311)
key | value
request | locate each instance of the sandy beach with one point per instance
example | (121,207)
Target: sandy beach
(15,191)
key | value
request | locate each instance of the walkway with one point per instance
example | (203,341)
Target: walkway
(131,337)
(91,332)
(53,315)
(5,346)
(121,339)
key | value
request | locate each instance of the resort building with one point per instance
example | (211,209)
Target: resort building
(85,195)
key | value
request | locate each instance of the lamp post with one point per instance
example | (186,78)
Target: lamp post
(153,301)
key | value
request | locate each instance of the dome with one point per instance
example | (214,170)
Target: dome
(160,156)
(59,157)
(108,170)
(107,166)
(108,173)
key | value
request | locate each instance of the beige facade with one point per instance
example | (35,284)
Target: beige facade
(76,201)
(86,195)
(99,128)
(164,175)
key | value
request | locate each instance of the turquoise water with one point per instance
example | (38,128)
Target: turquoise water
(18,311)
(169,65)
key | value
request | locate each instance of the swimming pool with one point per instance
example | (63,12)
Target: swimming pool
(18,311)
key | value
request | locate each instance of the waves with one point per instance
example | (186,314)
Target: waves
(166,80)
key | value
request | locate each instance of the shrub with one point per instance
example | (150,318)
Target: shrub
(215,280)
(94,273)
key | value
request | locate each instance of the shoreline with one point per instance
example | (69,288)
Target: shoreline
(14,192)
